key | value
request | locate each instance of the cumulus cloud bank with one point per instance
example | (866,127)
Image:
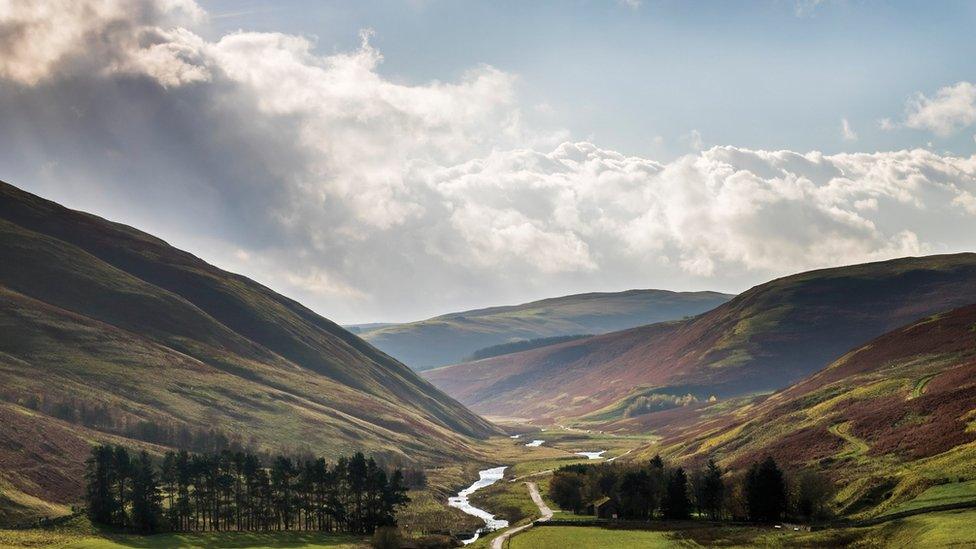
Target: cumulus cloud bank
(369,198)
(952,108)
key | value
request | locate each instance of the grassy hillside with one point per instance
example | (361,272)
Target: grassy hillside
(109,333)
(894,421)
(453,338)
(79,533)
(763,340)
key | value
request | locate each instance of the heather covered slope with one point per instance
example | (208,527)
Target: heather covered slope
(894,420)
(112,332)
(454,337)
(764,339)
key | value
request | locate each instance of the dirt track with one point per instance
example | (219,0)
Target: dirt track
(544,510)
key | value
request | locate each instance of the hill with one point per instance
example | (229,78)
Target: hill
(522,345)
(454,337)
(763,340)
(892,420)
(108,333)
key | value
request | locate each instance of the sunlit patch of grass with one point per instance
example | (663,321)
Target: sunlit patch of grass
(507,500)
(571,516)
(562,537)
(721,438)
(862,392)
(942,494)
(957,462)
(919,388)
(945,529)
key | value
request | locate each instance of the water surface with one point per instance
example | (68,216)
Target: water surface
(487,477)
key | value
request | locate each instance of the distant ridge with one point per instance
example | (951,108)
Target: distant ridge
(522,345)
(454,337)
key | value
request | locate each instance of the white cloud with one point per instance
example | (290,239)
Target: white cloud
(694,140)
(967,201)
(36,38)
(846,131)
(317,175)
(952,108)
(632,4)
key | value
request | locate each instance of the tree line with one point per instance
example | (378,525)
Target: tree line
(764,493)
(236,491)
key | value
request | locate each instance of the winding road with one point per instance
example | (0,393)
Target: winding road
(544,510)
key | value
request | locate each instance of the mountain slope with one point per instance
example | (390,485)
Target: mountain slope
(454,337)
(889,419)
(106,331)
(764,339)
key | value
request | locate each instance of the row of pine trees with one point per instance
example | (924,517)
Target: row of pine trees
(654,490)
(236,491)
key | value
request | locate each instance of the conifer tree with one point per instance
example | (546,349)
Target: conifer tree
(675,504)
(99,493)
(713,490)
(765,490)
(122,470)
(146,500)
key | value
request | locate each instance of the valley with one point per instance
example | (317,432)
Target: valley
(435,274)
(512,498)
(859,382)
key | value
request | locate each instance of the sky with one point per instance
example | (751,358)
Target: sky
(389,161)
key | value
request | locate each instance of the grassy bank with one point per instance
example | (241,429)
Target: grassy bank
(80,534)
(934,530)
(588,538)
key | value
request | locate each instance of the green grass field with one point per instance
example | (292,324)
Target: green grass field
(935,530)
(953,492)
(507,500)
(569,515)
(241,540)
(947,529)
(562,537)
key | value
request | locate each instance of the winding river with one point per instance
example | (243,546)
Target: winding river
(487,478)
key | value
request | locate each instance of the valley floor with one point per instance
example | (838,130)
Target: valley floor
(511,499)
(79,534)
(945,529)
